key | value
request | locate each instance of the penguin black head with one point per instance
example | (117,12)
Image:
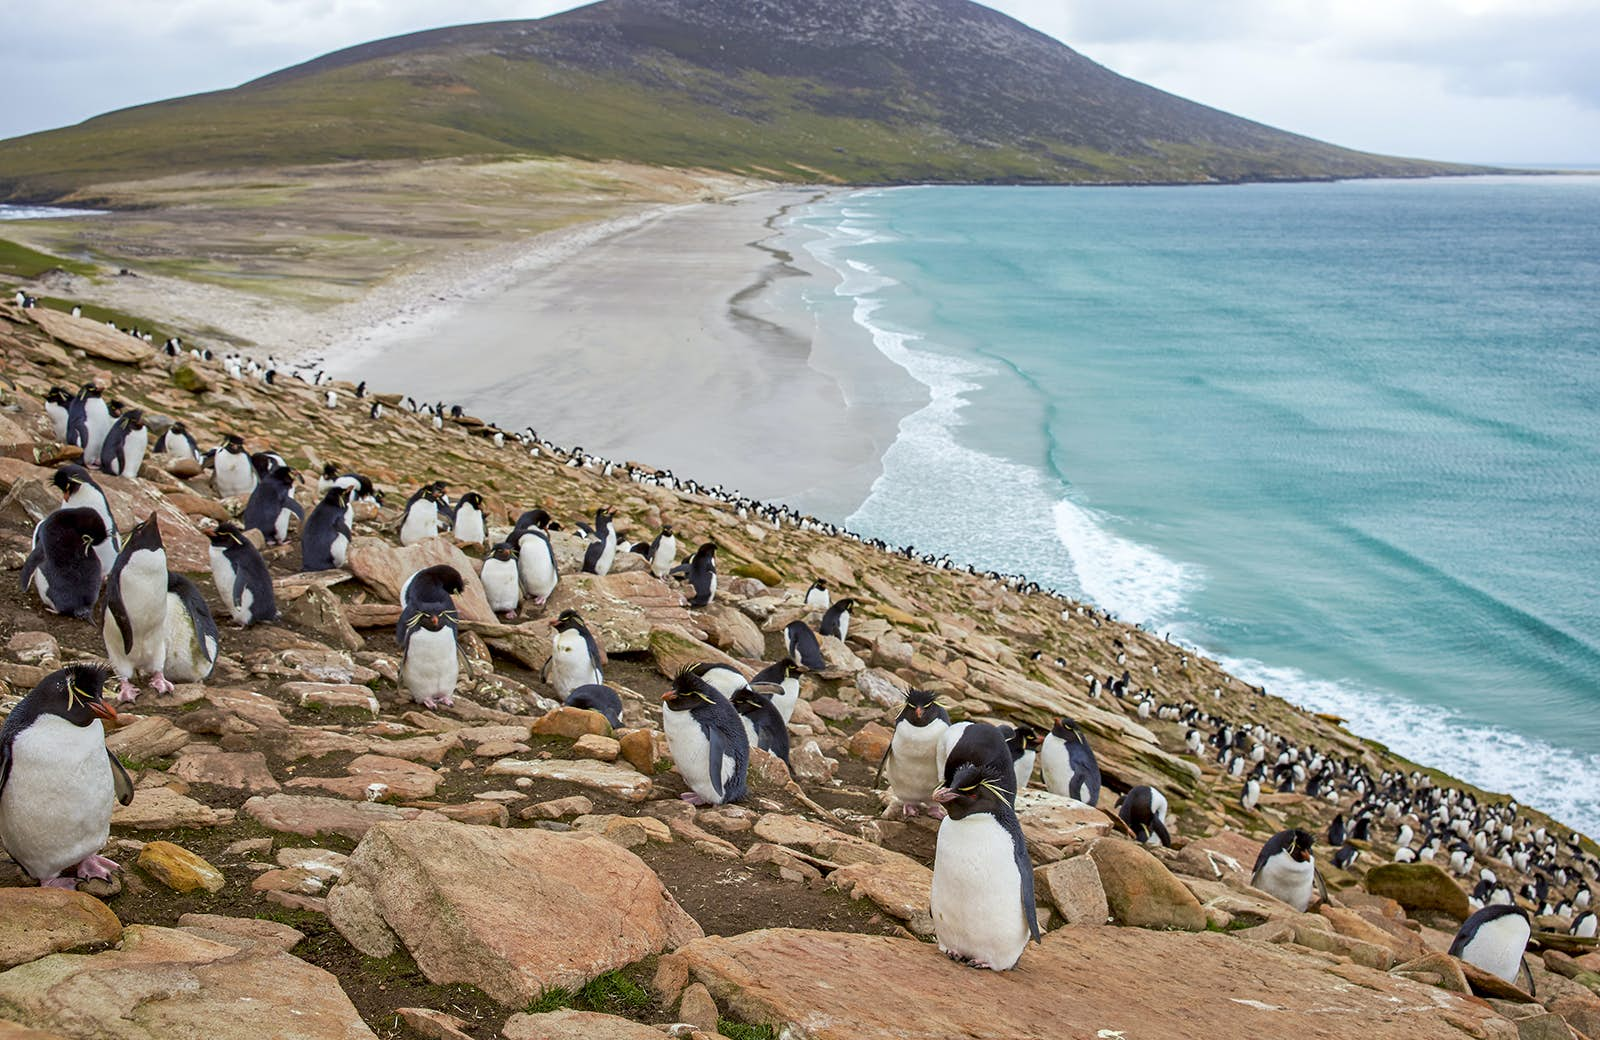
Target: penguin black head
(706,551)
(69,478)
(1300,844)
(1065,729)
(1024,737)
(666,529)
(83,523)
(504,551)
(820,584)
(146,534)
(89,390)
(973,786)
(339,495)
(846,605)
(473,499)
(433,622)
(228,535)
(329,471)
(750,700)
(135,418)
(919,708)
(688,692)
(58,395)
(446,577)
(73,693)
(280,475)
(233,444)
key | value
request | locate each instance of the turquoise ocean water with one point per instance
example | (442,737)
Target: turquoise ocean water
(1343,437)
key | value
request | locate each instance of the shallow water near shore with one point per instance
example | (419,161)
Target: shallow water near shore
(1343,437)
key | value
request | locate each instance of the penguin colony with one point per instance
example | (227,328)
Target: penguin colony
(156,625)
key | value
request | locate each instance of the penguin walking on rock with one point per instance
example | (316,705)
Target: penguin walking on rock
(134,622)
(602,552)
(502,583)
(58,781)
(232,471)
(192,638)
(706,739)
(1068,763)
(785,677)
(1494,939)
(982,892)
(241,577)
(910,761)
(763,726)
(802,646)
(272,505)
(575,657)
(817,596)
(701,572)
(1144,810)
(469,520)
(325,536)
(536,558)
(836,622)
(663,552)
(600,698)
(430,664)
(79,491)
(64,566)
(1285,868)
(122,451)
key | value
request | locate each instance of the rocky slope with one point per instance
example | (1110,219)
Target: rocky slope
(310,855)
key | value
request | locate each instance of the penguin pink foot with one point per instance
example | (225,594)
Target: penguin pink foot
(126,691)
(60,882)
(693,799)
(161,684)
(95,866)
(510,615)
(935,812)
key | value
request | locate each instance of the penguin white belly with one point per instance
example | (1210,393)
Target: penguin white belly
(666,554)
(570,666)
(608,555)
(501,585)
(339,549)
(976,893)
(691,753)
(133,448)
(1024,769)
(750,731)
(431,668)
(1283,878)
(1055,765)
(422,521)
(56,808)
(187,659)
(143,585)
(234,474)
(912,768)
(58,421)
(1498,945)
(536,567)
(280,529)
(786,700)
(469,525)
(98,424)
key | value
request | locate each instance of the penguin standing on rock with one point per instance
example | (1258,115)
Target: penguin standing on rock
(602,552)
(600,698)
(1144,810)
(701,572)
(801,644)
(430,663)
(836,622)
(135,610)
(763,726)
(422,513)
(909,762)
(982,891)
(575,657)
(79,491)
(233,473)
(64,568)
(58,781)
(469,522)
(177,443)
(817,597)
(325,535)
(1285,868)
(980,739)
(88,422)
(192,637)
(1024,741)
(1494,939)
(536,559)
(706,739)
(271,506)
(241,577)
(122,452)
(502,585)
(1068,763)
(663,552)
(57,405)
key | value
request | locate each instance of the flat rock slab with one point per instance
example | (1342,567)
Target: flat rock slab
(512,912)
(162,809)
(386,568)
(166,982)
(91,337)
(1127,981)
(621,609)
(619,781)
(311,814)
(576,1025)
(35,922)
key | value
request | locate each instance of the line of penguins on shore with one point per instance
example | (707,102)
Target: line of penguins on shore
(967,773)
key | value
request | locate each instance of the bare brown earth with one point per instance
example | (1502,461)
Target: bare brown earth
(812,903)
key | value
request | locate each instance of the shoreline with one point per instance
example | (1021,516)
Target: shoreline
(691,320)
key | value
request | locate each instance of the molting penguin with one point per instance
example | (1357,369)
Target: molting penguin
(135,610)
(325,535)
(426,631)
(1494,939)
(706,739)
(817,597)
(1285,868)
(502,584)
(469,524)
(575,657)
(836,622)
(271,505)
(982,890)
(536,559)
(233,473)
(58,781)
(602,552)
(64,567)
(910,761)
(1144,810)
(421,517)
(801,644)
(192,638)
(1024,741)
(241,577)
(701,572)
(663,552)
(122,451)
(596,697)
(763,725)
(1068,763)
(79,491)
(786,677)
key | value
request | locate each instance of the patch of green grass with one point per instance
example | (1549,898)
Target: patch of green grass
(613,994)
(21,262)
(551,998)
(739,1031)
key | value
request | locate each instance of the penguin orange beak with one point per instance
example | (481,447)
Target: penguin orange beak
(104,711)
(944,794)
(919,712)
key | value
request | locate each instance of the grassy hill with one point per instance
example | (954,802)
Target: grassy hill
(808,90)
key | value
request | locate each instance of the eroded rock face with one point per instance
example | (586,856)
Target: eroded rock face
(166,982)
(1140,891)
(836,986)
(511,912)
(35,922)
(1419,886)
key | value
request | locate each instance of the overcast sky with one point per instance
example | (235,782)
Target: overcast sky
(1497,81)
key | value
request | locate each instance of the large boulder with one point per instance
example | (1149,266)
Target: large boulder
(1080,982)
(39,921)
(1419,886)
(513,912)
(92,337)
(621,608)
(386,567)
(1142,892)
(167,982)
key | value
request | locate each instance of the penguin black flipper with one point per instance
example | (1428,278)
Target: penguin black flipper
(1322,884)
(5,764)
(1523,969)
(31,564)
(121,782)
(1160,829)
(119,610)
(717,749)
(1019,846)
(296,508)
(591,556)
(882,762)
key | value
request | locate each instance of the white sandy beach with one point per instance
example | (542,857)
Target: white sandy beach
(675,337)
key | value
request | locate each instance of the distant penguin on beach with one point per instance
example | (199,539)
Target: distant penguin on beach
(836,622)
(1144,810)
(536,558)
